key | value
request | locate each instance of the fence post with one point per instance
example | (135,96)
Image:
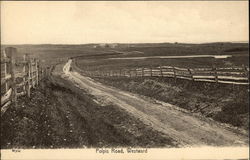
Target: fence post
(37,73)
(215,74)
(130,73)
(49,68)
(191,75)
(151,71)
(6,66)
(47,71)
(161,71)
(142,71)
(41,73)
(32,73)
(174,74)
(246,72)
(29,77)
(9,53)
(25,73)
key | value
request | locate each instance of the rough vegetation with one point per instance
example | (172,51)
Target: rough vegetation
(57,116)
(224,103)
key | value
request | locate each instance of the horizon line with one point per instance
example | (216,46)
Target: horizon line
(126,43)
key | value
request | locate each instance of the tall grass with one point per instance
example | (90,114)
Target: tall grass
(223,103)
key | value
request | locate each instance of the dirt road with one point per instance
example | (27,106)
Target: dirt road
(185,128)
(60,115)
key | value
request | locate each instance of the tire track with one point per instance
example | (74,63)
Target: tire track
(188,130)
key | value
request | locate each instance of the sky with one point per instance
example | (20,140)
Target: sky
(80,22)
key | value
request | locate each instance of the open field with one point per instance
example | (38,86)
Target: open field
(239,53)
(87,55)
(72,110)
(49,53)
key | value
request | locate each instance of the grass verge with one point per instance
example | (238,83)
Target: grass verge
(221,102)
(59,115)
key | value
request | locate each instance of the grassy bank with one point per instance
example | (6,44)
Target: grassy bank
(59,115)
(223,103)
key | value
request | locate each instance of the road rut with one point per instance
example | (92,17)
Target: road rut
(185,128)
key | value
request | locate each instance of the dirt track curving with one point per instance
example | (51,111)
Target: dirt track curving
(183,127)
(60,115)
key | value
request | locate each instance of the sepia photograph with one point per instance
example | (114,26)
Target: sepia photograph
(122,79)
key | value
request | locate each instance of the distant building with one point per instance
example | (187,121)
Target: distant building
(107,45)
(113,45)
(102,45)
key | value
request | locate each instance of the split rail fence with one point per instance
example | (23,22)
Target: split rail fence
(233,75)
(28,78)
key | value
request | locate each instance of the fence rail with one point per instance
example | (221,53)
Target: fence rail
(237,75)
(30,76)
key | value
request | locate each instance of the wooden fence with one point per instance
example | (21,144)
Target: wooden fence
(233,75)
(18,83)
